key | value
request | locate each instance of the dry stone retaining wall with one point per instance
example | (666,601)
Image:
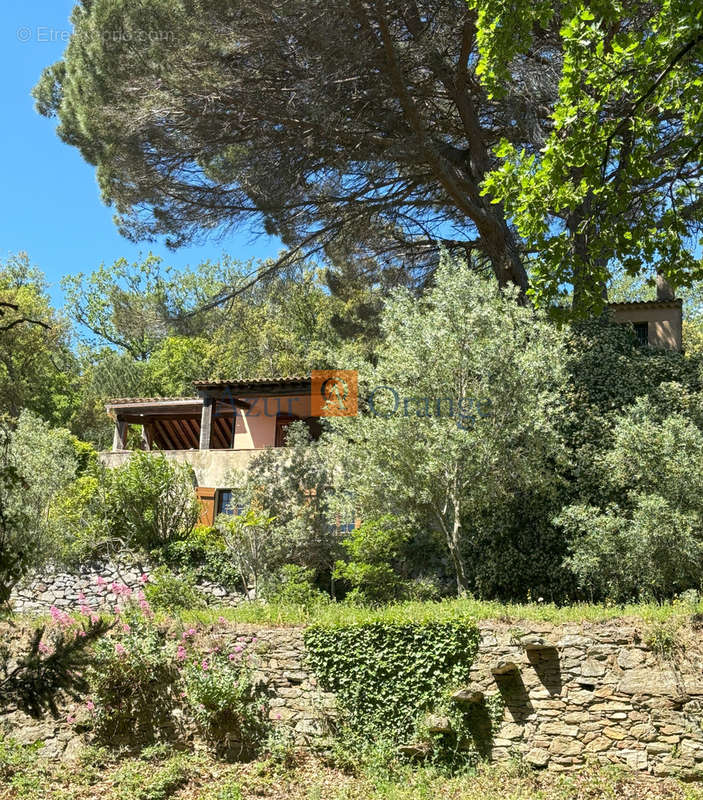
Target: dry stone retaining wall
(570,693)
(62,589)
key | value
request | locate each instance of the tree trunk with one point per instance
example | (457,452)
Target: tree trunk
(453,537)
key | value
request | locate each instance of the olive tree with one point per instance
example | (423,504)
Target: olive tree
(458,416)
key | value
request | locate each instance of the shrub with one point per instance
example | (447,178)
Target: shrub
(246,538)
(372,548)
(172,593)
(151,501)
(204,552)
(293,585)
(227,704)
(141,506)
(133,684)
(294,485)
(36,464)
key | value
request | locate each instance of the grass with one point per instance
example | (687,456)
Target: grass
(331,613)
(188,776)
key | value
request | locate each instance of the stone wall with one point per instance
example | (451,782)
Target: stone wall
(94,582)
(570,692)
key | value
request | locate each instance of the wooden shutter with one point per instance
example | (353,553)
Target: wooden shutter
(207,504)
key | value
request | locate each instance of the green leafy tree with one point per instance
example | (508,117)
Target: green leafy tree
(37,367)
(37,462)
(541,139)
(295,486)
(649,541)
(617,181)
(372,549)
(460,411)
(246,539)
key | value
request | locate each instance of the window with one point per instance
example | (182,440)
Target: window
(642,333)
(282,423)
(226,504)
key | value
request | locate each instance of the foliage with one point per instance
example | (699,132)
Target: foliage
(465,391)
(37,367)
(141,506)
(651,542)
(621,148)
(246,537)
(226,702)
(32,681)
(36,463)
(293,585)
(168,592)
(162,780)
(386,674)
(133,685)
(151,500)
(294,484)
(372,548)
(204,552)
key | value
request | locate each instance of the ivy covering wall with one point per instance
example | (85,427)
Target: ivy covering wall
(389,678)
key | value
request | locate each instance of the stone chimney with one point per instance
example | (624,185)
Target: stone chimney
(664,290)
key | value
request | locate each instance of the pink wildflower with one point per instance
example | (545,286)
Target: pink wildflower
(232,656)
(94,619)
(205,665)
(238,648)
(222,620)
(70,719)
(140,595)
(181,653)
(126,628)
(81,596)
(44,648)
(101,580)
(119,649)
(90,705)
(144,578)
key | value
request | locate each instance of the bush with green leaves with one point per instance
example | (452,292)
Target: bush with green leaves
(226,702)
(136,508)
(37,463)
(372,549)
(247,538)
(203,552)
(134,684)
(169,592)
(294,485)
(292,585)
(650,542)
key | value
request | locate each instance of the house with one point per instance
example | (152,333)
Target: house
(214,432)
(657,323)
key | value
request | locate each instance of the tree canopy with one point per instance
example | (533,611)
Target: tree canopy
(538,139)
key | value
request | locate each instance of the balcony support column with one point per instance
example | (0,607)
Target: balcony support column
(206,422)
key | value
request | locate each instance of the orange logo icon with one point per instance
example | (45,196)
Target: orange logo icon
(334,393)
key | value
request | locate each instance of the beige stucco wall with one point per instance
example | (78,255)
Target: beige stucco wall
(664,324)
(256,426)
(210,466)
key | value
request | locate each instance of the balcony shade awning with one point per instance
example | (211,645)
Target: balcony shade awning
(173,423)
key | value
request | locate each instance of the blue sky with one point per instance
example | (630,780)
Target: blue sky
(49,200)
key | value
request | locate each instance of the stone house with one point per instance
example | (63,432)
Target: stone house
(214,432)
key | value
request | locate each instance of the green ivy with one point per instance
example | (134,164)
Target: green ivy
(385,675)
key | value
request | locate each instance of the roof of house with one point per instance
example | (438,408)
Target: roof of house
(648,304)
